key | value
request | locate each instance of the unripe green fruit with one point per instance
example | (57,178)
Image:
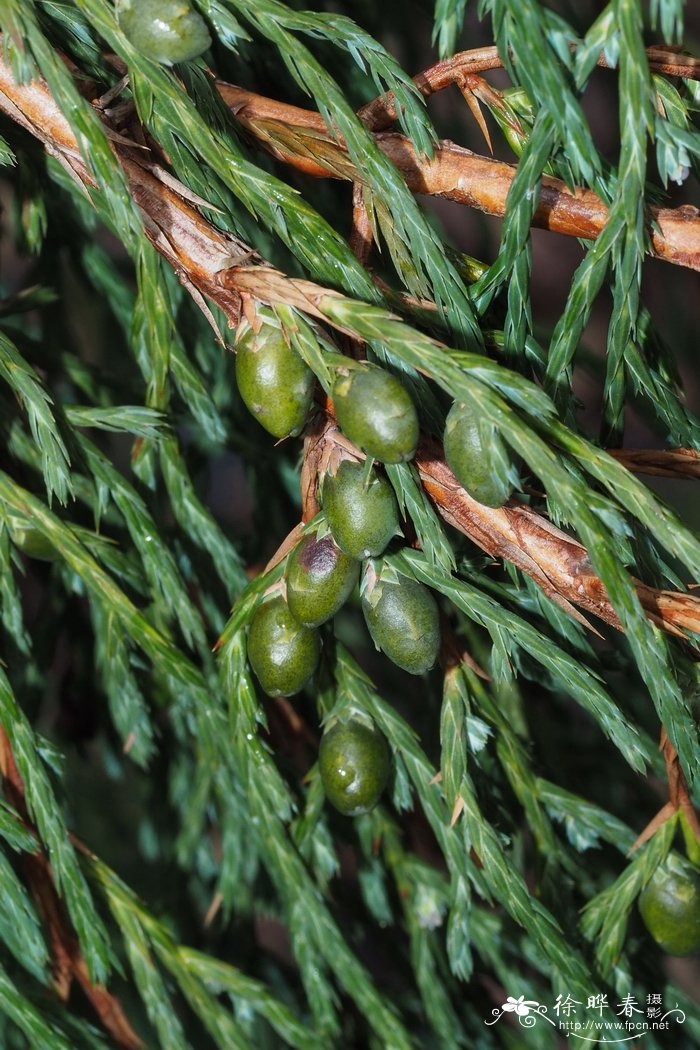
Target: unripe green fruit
(362,514)
(282,652)
(167,31)
(30,540)
(474,465)
(275,384)
(354,763)
(404,622)
(670,906)
(320,579)
(376,412)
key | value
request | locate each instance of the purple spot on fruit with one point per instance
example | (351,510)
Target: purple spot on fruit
(319,556)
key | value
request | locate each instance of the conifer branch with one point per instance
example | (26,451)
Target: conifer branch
(381,112)
(301,139)
(557,562)
(471,866)
(224,269)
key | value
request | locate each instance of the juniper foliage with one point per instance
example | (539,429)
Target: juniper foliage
(173,815)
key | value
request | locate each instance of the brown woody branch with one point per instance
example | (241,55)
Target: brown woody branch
(381,112)
(67,960)
(216,265)
(557,562)
(678,797)
(300,138)
(668,463)
(195,248)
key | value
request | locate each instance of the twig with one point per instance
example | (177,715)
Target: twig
(361,236)
(453,172)
(669,463)
(222,268)
(68,962)
(678,797)
(301,139)
(380,113)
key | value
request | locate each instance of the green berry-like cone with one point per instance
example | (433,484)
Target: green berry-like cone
(361,513)
(31,541)
(670,906)
(320,579)
(273,381)
(477,468)
(167,31)
(354,762)
(282,652)
(376,412)
(404,622)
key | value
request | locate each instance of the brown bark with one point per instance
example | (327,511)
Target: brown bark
(195,248)
(380,113)
(668,463)
(216,265)
(454,173)
(301,139)
(557,562)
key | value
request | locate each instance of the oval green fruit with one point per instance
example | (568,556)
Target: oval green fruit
(167,31)
(670,906)
(361,511)
(282,652)
(275,384)
(376,412)
(320,579)
(30,540)
(354,763)
(404,622)
(479,469)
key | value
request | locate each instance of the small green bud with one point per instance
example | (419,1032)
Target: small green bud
(361,510)
(354,763)
(376,412)
(275,384)
(282,652)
